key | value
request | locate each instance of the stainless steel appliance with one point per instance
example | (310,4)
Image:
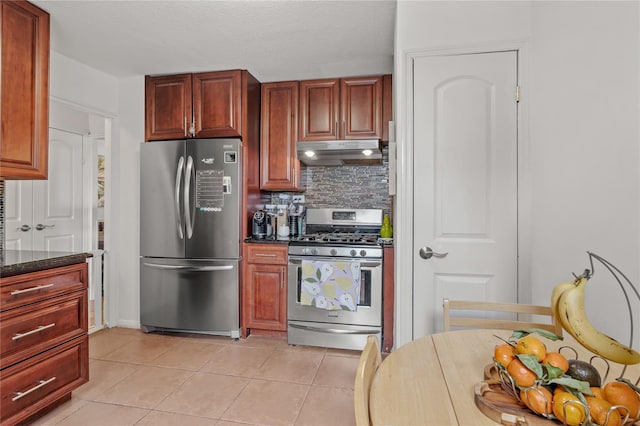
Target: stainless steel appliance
(339,152)
(190,235)
(349,235)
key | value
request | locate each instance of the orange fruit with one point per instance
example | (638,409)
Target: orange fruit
(557,360)
(618,393)
(599,408)
(531,345)
(504,354)
(572,413)
(538,399)
(523,377)
(598,392)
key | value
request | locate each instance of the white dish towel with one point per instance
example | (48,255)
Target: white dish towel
(330,285)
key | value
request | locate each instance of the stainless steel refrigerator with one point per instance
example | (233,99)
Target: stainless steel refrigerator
(190,198)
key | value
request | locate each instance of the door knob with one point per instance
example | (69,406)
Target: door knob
(40,226)
(24,228)
(428,253)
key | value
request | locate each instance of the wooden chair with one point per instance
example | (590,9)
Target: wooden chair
(479,322)
(370,359)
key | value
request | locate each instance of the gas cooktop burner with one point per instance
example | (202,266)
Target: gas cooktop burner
(341,238)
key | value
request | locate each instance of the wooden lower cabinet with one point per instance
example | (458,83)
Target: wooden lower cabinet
(35,384)
(264,305)
(44,352)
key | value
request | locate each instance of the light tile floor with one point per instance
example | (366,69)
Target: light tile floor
(181,380)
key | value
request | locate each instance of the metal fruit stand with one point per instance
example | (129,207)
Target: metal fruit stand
(629,290)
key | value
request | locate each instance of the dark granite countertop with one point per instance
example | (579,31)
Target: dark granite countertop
(15,262)
(265,241)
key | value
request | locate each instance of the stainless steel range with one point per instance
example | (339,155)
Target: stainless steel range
(339,248)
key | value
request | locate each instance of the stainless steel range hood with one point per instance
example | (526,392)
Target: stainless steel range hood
(340,152)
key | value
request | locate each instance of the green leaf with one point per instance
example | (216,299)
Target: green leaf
(545,333)
(577,385)
(517,334)
(553,372)
(531,362)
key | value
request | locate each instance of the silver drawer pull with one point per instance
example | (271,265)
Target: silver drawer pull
(36,330)
(40,384)
(265,255)
(27,290)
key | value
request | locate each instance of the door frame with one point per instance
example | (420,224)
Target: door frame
(404,218)
(89,150)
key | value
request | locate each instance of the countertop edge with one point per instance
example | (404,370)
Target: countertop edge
(39,265)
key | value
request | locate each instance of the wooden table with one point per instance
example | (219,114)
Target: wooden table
(431,380)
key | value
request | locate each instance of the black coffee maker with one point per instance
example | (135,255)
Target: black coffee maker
(259,225)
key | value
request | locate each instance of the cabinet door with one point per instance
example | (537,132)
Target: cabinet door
(319,109)
(217,104)
(266,297)
(279,165)
(25,91)
(361,108)
(167,107)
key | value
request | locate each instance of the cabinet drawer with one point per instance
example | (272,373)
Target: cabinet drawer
(25,332)
(273,254)
(31,385)
(29,288)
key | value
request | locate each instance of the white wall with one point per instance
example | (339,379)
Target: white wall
(79,85)
(580,146)
(126,157)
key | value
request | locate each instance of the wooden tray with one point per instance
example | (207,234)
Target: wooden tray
(502,408)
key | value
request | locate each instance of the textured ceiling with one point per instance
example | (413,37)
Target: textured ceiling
(274,40)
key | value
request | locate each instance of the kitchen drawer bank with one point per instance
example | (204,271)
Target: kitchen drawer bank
(44,353)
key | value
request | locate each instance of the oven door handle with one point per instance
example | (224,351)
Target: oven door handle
(365,264)
(333,330)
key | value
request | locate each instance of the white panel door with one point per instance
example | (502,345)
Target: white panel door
(51,209)
(18,203)
(465,182)
(57,202)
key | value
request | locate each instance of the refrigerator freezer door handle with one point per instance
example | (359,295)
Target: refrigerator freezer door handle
(179,173)
(188,218)
(190,268)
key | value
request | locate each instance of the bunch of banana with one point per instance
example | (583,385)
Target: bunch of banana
(567,302)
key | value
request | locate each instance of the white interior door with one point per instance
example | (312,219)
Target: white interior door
(57,211)
(18,214)
(51,209)
(465,182)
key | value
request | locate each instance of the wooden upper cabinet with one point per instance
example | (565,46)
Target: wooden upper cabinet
(361,108)
(24,138)
(203,105)
(319,109)
(347,108)
(279,165)
(217,104)
(167,107)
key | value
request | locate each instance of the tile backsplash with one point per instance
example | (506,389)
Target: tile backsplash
(358,187)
